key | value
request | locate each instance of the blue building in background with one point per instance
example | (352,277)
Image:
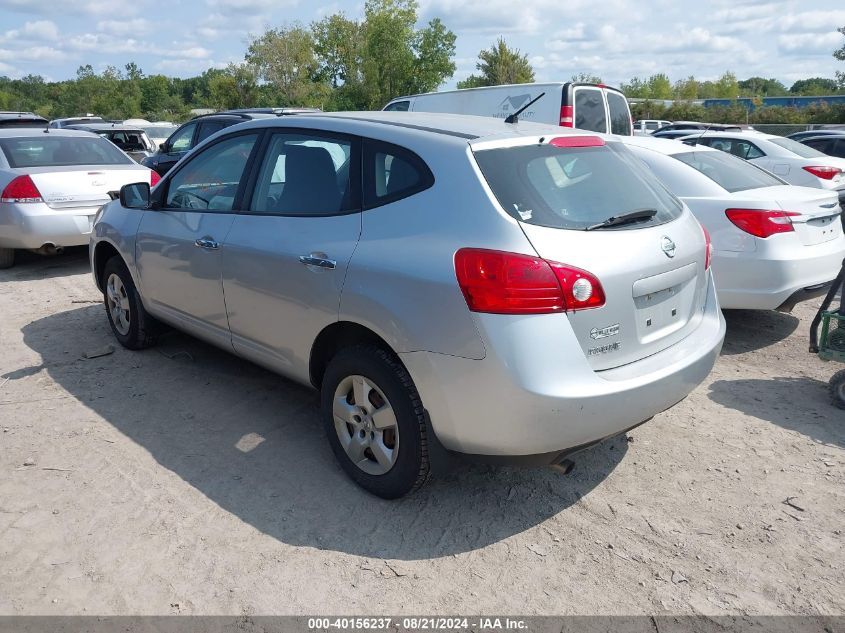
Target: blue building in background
(785,102)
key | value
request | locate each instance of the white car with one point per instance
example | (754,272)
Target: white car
(644,127)
(52,185)
(796,163)
(774,244)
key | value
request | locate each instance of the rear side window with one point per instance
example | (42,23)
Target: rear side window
(727,171)
(573,188)
(620,116)
(210,127)
(307,174)
(589,110)
(392,173)
(58,151)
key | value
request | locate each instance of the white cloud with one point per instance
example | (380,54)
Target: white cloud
(810,43)
(32,54)
(135,26)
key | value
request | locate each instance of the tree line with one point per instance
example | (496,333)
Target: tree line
(339,63)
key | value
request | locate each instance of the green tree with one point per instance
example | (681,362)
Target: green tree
(337,45)
(286,58)
(499,65)
(659,86)
(586,78)
(839,54)
(686,89)
(727,86)
(635,89)
(398,59)
(155,91)
(814,86)
(758,86)
(236,87)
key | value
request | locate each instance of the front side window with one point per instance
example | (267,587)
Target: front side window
(210,180)
(307,174)
(620,116)
(181,140)
(574,188)
(392,173)
(54,151)
(589,110)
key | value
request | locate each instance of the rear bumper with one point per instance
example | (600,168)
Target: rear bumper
(535,397)
(751,281)
(35,224)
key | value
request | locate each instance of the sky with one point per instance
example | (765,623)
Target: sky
(614,39)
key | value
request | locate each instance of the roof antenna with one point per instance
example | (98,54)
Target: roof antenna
(514,118)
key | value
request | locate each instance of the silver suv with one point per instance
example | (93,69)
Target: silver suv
(450,284)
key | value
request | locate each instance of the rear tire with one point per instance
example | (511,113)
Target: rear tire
(7,257)
(837,389)
(381,441)
(131,324)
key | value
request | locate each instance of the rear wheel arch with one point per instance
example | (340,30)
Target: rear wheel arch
(336,337)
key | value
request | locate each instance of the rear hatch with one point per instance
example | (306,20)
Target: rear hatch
(651,268)
(819,210)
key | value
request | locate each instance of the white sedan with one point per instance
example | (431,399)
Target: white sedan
(796,163)
(53,182)
(774,244)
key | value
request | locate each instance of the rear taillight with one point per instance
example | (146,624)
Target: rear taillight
(762,223)
(566,116)
(509,283)
(154,178)
(21,189)
(825,172)
(708,248)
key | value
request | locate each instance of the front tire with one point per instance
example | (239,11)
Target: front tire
(375,421)
(7,257)
(837,389)
(132,326)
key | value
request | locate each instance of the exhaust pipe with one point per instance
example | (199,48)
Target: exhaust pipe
(49,248)
(564,466)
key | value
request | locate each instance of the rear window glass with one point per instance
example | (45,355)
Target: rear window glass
(60,151)
(23,122)
(796,148)
(589,110)
(573,188)
(620,116)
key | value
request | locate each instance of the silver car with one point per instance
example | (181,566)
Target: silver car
(52,183)
(450,284)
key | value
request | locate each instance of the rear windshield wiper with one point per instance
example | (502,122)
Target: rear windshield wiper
(636,215)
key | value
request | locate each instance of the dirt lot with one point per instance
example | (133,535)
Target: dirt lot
(184,480)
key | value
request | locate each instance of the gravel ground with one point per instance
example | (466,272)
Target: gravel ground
(181,479)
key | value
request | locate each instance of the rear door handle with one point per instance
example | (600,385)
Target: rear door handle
(320,262)
(207,242)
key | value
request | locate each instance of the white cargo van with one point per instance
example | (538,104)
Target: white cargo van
(594,107)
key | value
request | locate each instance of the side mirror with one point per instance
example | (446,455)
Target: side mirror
(135,196)
(163,147)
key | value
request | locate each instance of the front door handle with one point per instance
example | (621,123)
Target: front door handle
(207,242)
(319,260)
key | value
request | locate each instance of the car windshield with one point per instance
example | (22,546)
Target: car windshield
(797,148)
(727,171)
(58,151)
(574,187)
